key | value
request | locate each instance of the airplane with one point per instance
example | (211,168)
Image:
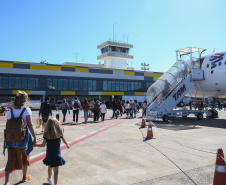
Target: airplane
(192,75)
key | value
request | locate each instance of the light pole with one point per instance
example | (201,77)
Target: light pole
(145,66)
(76,57)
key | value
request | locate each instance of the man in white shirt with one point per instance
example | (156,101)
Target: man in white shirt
(76,105)
(103,109)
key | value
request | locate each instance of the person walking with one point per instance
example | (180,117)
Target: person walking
(85,108)
(134,108)
(52,137)
(76,105)
(130,108)
(144,107)
(103,110)
(119,107)
(96,109)
(114,108)
(19,152)
(127,107)
(224,104)
(45,111)
(64,106)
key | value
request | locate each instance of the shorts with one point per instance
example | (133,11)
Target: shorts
(16,158)
(45,118)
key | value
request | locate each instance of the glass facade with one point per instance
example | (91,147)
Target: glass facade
(19,82)
(109,85)
(71,84)
(148,84)
(75,84)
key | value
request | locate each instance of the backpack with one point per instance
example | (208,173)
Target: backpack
(15,131)
(76,104)
(96,106)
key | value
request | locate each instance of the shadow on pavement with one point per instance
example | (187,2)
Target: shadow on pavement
(190,123)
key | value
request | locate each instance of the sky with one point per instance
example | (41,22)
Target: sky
(54,30)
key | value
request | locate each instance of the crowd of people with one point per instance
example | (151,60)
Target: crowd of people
(98,109)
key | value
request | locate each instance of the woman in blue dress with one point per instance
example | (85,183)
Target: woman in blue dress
(52,137)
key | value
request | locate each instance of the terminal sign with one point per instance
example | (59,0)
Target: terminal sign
(179,92)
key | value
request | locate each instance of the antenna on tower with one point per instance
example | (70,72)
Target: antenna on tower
(113,31)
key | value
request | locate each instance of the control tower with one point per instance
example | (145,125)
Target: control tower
(114,54)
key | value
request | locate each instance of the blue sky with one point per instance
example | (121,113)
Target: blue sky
(52,30)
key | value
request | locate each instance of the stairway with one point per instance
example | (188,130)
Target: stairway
(172,86)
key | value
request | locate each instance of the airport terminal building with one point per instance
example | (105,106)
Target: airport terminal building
(89,81)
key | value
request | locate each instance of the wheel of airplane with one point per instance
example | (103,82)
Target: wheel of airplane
(200,116)
(165,118)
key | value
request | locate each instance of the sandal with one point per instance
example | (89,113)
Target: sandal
(26,178)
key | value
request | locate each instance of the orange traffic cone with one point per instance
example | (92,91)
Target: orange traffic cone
(143,124)
(149,132)
(220,169)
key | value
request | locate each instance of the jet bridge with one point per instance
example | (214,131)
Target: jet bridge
(173,85)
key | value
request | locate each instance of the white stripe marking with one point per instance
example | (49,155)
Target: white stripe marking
(81,137)
(93,132)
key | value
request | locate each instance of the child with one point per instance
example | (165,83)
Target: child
(53,133)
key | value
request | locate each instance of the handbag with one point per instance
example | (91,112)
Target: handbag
(38,123)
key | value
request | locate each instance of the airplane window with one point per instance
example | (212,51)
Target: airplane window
(219,64)
(207,66)
(225,62)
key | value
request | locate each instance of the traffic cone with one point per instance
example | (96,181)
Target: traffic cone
(149,132)
(143,124)
(220,169)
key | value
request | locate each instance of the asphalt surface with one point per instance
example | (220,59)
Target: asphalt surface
(112,152)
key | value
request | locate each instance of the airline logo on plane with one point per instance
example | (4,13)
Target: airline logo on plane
(215,58)
(179,92)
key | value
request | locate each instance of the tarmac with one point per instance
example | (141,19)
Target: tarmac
(183,151)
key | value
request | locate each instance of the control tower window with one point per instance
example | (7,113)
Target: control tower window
(125,50)
(104,50)
(112,48)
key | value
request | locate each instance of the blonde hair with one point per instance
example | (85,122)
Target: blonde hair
(64,100)
(20,99)
(53,129)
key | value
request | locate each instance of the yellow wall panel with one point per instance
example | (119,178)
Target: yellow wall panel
(112,93)
(153,74)
(21,62)
(67,92)
(14,91)
(128,73)
(139,93)
(82,70)
(44,67)
(6,65)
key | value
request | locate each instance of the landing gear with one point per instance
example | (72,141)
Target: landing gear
(165,118)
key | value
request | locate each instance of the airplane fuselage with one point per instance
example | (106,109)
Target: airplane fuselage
(214,83)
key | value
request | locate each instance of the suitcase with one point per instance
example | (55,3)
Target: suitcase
(58,117)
